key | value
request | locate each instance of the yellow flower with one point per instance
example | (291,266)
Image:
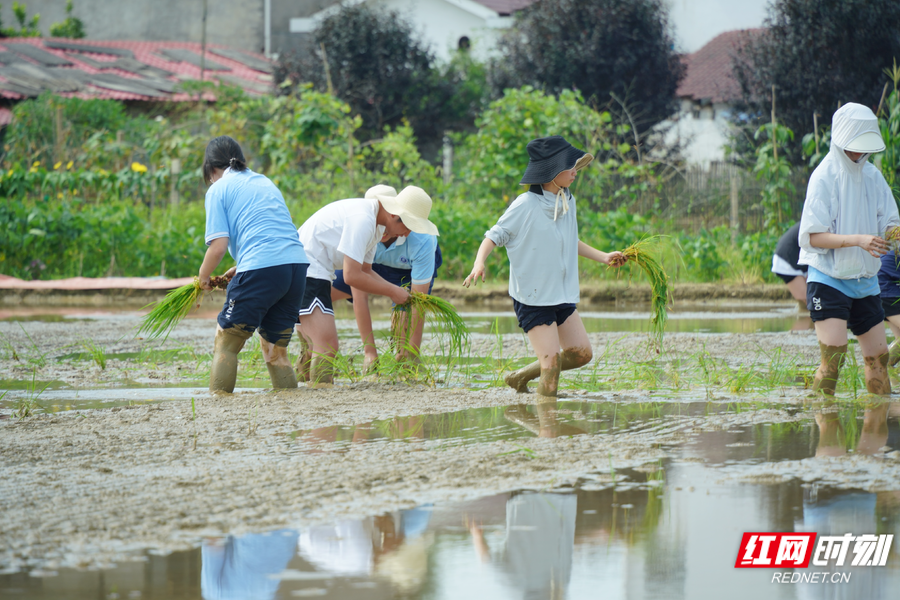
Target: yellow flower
(59,195)
(69,164)
(138,167)
(35,164)
(57,165)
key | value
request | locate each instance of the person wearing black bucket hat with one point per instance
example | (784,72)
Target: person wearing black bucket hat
(540,233)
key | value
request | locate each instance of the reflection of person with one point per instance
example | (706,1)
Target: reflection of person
(540,233)
(344,235)
(889,281)
(848,206)
(540,539)
(785,264)
(545,424)
(246,215)
(241,568)
(411,261)
(873,434)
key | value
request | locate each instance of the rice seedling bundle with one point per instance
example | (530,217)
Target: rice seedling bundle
(165,314)
(643,254)
(444,315)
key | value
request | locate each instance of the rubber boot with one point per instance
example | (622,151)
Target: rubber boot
(877,379)
(575,358)
(894,353)
(223,372)
(304,361)
(827,373)
(280,371)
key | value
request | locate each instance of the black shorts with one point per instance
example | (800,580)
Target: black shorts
(317,295)
(267,299)
(788,278)
(891,307)
(531,316)
(825,302)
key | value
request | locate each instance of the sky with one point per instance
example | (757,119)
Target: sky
(698,21)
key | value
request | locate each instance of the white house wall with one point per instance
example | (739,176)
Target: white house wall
(703,137)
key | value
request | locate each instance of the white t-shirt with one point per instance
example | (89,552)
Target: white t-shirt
(342,228)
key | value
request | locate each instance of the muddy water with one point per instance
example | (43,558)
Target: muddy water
(668,529)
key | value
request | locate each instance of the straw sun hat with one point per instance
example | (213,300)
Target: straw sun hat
(412,205)
(550,156)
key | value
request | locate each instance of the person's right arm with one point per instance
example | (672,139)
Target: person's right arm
(487,246)
(872,244)
(369,281)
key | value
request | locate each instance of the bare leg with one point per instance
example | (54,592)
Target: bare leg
(223,371)
(576,352)
(304,361)
(797,287)
(545,341)
(278,364)
(873,344)
(832,334)
(319,328)
(894,349)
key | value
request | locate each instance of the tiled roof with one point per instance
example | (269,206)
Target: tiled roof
(709,69)
(122,70)
(506,7)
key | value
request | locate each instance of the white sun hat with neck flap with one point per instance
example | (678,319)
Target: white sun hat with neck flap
(412,205)
(855,128)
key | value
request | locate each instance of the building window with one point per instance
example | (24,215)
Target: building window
(464,43)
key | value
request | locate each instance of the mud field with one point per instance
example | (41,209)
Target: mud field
(113,463)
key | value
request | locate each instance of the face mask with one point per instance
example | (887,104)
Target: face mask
(862,159)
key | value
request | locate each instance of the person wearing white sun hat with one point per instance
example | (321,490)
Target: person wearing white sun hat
(848,213)
(409,261)
(343,235)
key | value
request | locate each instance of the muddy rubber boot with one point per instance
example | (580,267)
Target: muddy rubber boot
(574,358)
(549,383)
(877,379)
(304,361)
(518,380)
(827,373)
(894,353)
(223,371)
(280,371)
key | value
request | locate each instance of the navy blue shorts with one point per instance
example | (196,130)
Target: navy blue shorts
(393,275)
(267,299)
(891,307)
(825,302)
(788,278)
(532,316)
(316,295)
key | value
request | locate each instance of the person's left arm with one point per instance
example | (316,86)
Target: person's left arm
(610,259)
(214,255)
(888,217)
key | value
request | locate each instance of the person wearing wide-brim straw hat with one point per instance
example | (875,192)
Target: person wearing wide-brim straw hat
(540,233)
(343,235)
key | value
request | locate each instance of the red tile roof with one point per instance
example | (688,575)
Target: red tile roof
(87,64)
(709,69)
(506,7)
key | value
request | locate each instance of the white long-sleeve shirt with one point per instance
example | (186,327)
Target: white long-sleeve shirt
(543,253)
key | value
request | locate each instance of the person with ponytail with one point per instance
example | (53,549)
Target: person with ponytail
(246,216)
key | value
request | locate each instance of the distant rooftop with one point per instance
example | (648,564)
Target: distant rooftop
(709,70)
(506,7)
(122,70)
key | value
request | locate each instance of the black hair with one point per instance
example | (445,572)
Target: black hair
(222,152)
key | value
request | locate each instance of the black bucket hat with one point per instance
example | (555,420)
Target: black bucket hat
(550,156)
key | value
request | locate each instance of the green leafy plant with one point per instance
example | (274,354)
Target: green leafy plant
(72,27)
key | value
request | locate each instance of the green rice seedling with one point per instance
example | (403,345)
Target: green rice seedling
(528,452)
(8,349)
(741,379)
(35,356)
(445,317)
(852,376)
(193,410)
(97,353)
(643,253)
(165,314)
(28,405)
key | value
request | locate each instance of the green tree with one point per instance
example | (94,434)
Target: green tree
(818,53)
(71,27)
(617,53)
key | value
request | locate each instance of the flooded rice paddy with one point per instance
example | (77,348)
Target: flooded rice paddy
(131,481)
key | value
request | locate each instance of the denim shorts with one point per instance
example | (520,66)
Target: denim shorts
(825,302)
(531,316)
(267,299)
